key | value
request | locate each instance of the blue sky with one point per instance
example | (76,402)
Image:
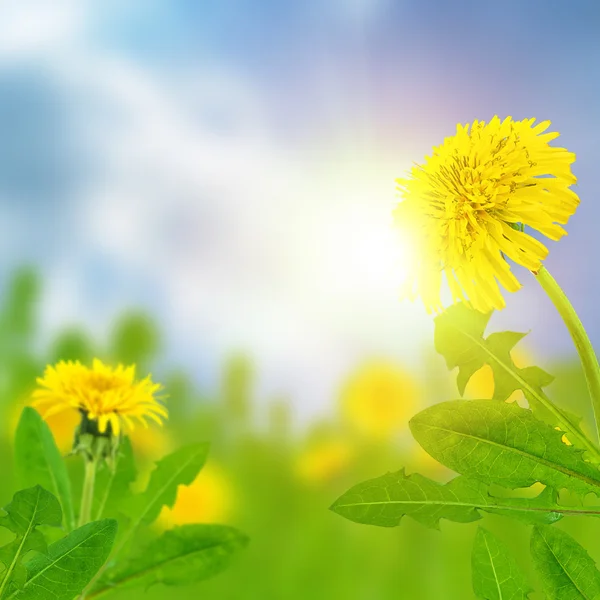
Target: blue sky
(230,165)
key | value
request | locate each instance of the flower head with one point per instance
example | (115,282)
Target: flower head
(465,209)
(111,398)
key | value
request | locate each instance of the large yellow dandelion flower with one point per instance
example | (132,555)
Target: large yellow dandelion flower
(466,207)
(111,397)
(378,399)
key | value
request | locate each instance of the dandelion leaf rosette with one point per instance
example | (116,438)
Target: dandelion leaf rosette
(496,574)
(504,444)
(383,502)
(566,570)
(183,555)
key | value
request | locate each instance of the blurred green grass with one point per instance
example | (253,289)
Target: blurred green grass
(272,477)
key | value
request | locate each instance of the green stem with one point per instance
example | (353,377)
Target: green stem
(584,347)
(87,495)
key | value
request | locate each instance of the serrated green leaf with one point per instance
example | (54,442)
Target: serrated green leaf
(113,484)
(69,564)
(383,502)
(186,554)
(459,338)
(567,571)
(502,443)
(496,574)
(28,509)
(179,468)
(38,461)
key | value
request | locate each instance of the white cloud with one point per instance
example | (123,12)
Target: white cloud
(33,27)
(251,246)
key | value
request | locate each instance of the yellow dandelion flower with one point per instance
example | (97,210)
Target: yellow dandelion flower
(323,461)
(378,399)
(466,207)
(110,397)
(209,499)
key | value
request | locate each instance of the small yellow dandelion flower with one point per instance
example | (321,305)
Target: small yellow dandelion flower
(465,208)
(323,461)
(378,399)
(110,397)
(209,499)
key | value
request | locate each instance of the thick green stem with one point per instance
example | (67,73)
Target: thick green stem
(87,495)
(584,347)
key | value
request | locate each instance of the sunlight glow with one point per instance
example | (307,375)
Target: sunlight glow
(364,251)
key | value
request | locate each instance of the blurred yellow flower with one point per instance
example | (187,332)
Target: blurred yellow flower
(110,397)
(150,443)
(324,460)
(209,499)
(378,399)
(481,384)
(465,209)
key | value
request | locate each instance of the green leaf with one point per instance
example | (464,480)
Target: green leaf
(113,484)
(182,555)
(502,443)
(385,500)
(496,574)
(459,338)
(567,571)
(69,564)
(179,468)
(28,509)
(38,461)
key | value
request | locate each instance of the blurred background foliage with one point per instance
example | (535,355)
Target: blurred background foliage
(275,477)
